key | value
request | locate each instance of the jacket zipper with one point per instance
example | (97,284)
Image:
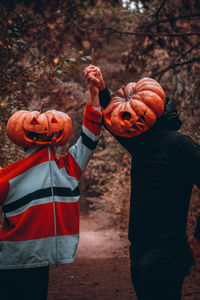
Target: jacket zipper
(54,206)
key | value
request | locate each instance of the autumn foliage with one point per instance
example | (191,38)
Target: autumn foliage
(45,45)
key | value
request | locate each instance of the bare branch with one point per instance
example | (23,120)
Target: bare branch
(175,65)
(159,9)
(188,51)
(113,30)
(170,20)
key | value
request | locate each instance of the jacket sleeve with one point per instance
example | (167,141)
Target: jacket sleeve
(4,186)
(104,99)
(78,156)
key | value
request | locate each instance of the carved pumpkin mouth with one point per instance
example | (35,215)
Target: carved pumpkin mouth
(43,138)
(133,128)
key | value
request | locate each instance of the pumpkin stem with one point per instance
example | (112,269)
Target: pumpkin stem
(125,95)
(42,105)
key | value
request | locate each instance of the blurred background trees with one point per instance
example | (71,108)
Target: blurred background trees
(168,49)
(45,45)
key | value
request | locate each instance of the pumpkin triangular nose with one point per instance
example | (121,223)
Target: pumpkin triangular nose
(53,120)
(34,121)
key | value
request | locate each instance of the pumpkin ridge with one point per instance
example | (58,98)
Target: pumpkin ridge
(144,85)
(136,103)
(15,127)
(118,108)
(150,120)
(149,86)
(128,108)
(153,105)
(154,93)
(115,114)
(49,126)
(147,80)
(155,89)
(108,108)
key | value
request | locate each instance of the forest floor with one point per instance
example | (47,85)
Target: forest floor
(101,271)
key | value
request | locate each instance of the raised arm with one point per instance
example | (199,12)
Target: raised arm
(94,78)
(78,156)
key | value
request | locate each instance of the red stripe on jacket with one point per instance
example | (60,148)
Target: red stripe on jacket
(70,165)
(38,222)
(92,120)
(67,218)
(19,167)
(4,186)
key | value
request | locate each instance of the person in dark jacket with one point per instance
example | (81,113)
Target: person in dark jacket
(165,166)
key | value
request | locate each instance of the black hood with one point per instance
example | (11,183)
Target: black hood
(170,118)
(168,121)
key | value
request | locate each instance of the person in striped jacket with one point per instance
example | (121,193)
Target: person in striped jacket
(40,203)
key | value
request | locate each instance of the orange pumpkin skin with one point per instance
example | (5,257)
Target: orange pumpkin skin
(135,108)
(26,128)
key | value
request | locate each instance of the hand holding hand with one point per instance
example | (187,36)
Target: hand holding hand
(93,76)
(95,82)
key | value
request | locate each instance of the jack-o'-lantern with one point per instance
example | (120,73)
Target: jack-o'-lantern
(135,108)
(29,128)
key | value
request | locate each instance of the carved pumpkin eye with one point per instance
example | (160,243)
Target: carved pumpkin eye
(53,120)
(34,121)
(126,115)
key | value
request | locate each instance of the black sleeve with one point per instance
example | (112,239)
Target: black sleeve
(104,99)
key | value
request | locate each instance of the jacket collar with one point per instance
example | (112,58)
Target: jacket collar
(32,150)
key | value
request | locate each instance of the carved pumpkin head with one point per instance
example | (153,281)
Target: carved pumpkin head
(29,128)
(135,108)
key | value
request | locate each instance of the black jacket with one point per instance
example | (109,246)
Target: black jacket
(165,166)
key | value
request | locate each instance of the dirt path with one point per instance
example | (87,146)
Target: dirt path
(101,271)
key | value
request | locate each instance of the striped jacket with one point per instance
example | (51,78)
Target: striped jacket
(40,198)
